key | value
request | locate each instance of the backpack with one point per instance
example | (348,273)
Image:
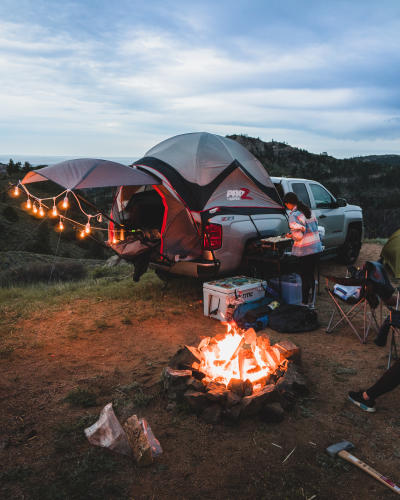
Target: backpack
(290,318)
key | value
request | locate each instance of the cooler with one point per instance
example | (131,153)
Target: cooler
(221,294)
(291,290)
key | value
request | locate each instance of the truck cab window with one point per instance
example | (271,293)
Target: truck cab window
(299,188)
(321,196)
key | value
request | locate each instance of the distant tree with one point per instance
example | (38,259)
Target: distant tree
(27,167)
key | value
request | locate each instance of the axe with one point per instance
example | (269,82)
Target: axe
(341,448)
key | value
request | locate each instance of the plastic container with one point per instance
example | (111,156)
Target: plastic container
(291,291)
(221,297)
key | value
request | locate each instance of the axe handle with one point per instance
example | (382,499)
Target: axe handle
(369,470)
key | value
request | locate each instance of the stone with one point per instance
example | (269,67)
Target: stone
(198,401)
(184,358)
(138,441)
(251,405)
(171,406)
(215,385)
(247,388)
(212,414)
(233,414)
(289,350)
(237,386)
(292,381)
(195,385)
(272,413)
(232,399)
(217,395)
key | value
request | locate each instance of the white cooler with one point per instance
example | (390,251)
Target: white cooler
(219,294)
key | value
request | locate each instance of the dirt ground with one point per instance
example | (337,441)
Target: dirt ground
(114,350)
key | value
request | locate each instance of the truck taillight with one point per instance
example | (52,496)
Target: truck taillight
(212,237)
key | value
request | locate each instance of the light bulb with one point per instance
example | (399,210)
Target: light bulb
(61,225)
(99,218)
(41,211)
(16,191)
(54,212)
(65,203)
(35,209)
(87,228)
(28,204)
(82,234)
(114,240)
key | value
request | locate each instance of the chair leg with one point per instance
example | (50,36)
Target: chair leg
(344,317)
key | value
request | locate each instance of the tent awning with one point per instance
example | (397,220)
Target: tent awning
(90,173)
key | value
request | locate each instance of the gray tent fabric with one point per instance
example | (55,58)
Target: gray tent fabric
(200,157)
(197,164)
(90,173)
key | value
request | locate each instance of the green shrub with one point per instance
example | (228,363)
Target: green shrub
(81,397)
(42,272)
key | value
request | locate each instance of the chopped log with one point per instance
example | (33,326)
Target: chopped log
(140,445)
(197,400)
(212,414)
(289,350)
(247,388)
(215,385)
(254,403)
(174,382)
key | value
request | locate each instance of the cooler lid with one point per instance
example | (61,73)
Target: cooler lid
(229,285)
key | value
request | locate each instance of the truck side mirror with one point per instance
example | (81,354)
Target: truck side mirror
(341,202)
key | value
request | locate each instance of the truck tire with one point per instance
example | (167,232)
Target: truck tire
(350,249)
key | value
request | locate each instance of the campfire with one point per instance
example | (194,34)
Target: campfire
(235,374)
(238,356)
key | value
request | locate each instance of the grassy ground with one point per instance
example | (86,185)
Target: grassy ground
(66,350)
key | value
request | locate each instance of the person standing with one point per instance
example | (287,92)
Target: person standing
(306,241)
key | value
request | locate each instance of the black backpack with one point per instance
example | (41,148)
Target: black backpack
(291,318)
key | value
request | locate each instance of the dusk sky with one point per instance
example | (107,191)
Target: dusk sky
(108,78)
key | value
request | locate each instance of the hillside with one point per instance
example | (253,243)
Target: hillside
(373,182)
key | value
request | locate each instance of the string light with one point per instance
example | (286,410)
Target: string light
(61,225)
(87,228)
(54,212)
(99,218)
(82,234)
(41,211)
(65,203)
(28,203)
(35,209)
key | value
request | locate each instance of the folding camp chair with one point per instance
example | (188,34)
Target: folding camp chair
(348,311)
(394,322)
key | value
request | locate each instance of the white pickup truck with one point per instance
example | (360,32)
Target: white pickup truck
(232,234)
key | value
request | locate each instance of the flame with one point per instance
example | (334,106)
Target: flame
(239,355)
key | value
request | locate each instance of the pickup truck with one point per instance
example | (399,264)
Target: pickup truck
(232,234)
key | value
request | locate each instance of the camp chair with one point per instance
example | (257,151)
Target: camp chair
(347,311)
(394,322)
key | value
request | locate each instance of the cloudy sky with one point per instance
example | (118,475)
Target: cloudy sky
(113,78)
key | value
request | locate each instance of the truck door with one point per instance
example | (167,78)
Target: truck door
(328,215)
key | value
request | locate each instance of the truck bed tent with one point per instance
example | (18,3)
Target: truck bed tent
(200,173)
(391,253)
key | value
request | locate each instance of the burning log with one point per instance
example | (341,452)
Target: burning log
(185,357)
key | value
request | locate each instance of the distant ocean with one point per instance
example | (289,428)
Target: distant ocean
(50,160)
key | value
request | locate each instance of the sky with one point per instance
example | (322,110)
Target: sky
(108,78)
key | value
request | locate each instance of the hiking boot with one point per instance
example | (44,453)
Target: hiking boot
(358,400)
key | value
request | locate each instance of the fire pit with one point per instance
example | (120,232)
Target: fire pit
(235,375)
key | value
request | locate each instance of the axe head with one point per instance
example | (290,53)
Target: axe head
(335,448)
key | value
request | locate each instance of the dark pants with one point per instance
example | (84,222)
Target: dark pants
(389,380)
(306,270)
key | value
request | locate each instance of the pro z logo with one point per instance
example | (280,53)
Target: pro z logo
(238,194)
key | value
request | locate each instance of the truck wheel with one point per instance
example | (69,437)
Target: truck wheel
(350,249)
